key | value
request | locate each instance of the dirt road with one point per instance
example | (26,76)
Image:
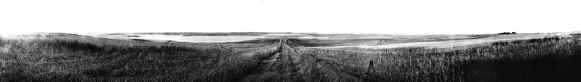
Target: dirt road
(291,65)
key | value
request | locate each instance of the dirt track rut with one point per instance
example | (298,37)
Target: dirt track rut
(290,65)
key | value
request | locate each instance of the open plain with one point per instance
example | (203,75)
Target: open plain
(261,56)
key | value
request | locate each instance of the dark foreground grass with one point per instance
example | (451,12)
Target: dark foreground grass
(79,58)
(544,59)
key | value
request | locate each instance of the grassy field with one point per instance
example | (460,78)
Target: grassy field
(70,57)
(544,59)
(430,41)
(352,40)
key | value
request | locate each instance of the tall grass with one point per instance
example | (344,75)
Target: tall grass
(522,60)
(79,58)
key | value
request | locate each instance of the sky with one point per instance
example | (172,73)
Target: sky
(326,16)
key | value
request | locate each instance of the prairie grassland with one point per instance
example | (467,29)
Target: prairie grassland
(350,40)
(543,59)
(61,57)
(79,58)
(430,41)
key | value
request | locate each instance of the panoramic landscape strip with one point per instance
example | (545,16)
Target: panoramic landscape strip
(290,57)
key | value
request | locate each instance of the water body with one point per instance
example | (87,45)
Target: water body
(180,38)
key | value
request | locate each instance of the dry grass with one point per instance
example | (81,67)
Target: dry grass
(502,61)
(65,57)
(73,57)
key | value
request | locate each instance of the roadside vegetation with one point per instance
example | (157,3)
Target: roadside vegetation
(542,59)
(61,57)
(66,57)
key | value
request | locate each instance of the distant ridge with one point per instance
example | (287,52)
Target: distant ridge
(577,31)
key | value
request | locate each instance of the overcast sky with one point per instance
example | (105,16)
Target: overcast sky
(336,16)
